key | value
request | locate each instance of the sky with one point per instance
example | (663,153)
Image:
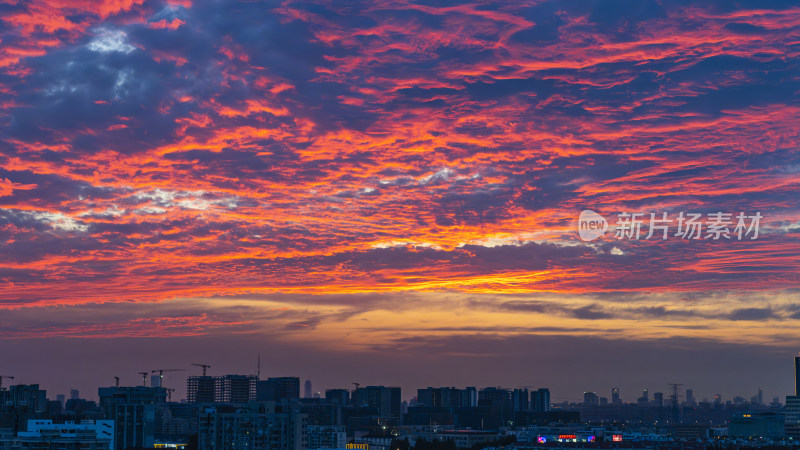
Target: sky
(388,192)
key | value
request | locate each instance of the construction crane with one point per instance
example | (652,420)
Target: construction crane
(356,385)
(675,387)
(675,410)
(204,366)
(169,394)
(1,379)
(116,381)
(161,374)
(144,378)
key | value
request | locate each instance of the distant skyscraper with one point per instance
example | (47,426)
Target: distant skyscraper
(74,394)
(792,409)
(690,396)
(133,411)
(792,416)
(61,398)
(590,399)
(340,397)
(307,390)
(498,398)
(520,399)
(644,400)
(615,396)
(278,388)
(469,396)
(385,399)
(540,400)
(155,380)
(254,426)
(236,388)
(200,389)
(797,376)
(658,399)
(440,397)
(221,389)
(27,399)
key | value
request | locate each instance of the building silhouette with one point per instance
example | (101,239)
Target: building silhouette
(201,389)
(540,400)
(278,388)
(221,389)
(339,397)
(615,399)
(133,410)
(793,405)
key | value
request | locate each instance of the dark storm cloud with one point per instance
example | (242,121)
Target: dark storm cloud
(752,314)
(48,190)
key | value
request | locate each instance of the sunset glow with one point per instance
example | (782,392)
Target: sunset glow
(393,176)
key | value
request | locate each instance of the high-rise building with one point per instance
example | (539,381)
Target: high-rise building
(21,403)
(278,388)
(236,388)
(25,397)
(385,399)
(540,400)
(590,399)
(325,437)
(792,418)
(61,398)
(255,426)
(615,400)
(439,397)
(797,375)
(469,396)
(339,397)
(644,400)
(690,397)
(133,411)
(500,400)
(520,399)
(308,392)
(318,411)
(221,389)
(201,389)
(792,408)
(658,399)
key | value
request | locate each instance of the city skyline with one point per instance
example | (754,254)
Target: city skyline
(390,191)
(175,378)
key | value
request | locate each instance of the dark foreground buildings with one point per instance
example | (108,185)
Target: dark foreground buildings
(244,412)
